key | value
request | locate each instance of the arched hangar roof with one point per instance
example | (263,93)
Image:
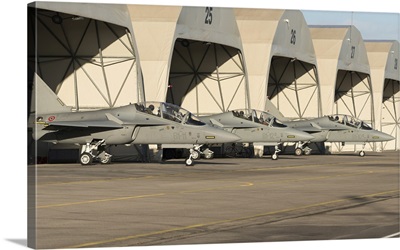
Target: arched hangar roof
(92,61)
(385,76)
(273,40)
(343,71)
(191,52)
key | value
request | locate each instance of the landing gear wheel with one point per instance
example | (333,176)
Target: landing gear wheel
(106,160)
(298,151)
(362,153)
(86,159)
(307,152)
(195,154)
(274,157)
(209,156)
(189,162)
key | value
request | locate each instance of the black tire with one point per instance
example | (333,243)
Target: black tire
(230,151)
(86,159)
(209,156)
(196,155)
(106,160)
(298,151)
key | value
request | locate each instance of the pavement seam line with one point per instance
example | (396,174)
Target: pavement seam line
(90,244)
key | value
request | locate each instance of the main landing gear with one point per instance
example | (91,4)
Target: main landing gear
(195,154)
(94,150)
(302,147)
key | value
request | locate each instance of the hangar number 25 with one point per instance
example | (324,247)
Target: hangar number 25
(208,18)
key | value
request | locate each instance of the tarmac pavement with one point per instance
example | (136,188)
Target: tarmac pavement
(222,200)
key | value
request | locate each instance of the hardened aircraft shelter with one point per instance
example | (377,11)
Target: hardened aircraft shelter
(280,60)
(344,73)
(191,56)
(87,54)
(383,58)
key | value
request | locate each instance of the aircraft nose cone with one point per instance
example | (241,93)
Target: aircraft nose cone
(386,137)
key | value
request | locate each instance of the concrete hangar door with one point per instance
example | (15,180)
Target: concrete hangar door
(293,87)
(206,77)
(89,63)
(390,122)
(207,72)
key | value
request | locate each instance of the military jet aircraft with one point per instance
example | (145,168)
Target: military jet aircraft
(139,123)
(332,128)
(254,126)
(338,128)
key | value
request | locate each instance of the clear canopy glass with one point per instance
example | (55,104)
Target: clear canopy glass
(258,116)
(349,121)
(168,111)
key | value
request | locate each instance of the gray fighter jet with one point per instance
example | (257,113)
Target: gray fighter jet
(139,123)
(337,128)
(254,126)
(332,128)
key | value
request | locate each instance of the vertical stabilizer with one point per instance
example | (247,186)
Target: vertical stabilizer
(44,100)
(270,108)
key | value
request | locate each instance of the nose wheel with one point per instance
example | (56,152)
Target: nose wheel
(189,161)
(362,152)
(194,154)
(274,156)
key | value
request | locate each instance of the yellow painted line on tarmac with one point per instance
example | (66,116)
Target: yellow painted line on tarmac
(316,178)
(241,184)
(206,224)
(95,181)
(189,174)
(101,200)
(307,166)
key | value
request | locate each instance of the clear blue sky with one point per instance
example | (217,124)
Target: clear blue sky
(373,26)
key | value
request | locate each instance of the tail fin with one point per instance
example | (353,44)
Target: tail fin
(270,108)
(44,100)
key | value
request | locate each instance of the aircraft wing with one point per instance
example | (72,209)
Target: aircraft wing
(311,128)
(58,125)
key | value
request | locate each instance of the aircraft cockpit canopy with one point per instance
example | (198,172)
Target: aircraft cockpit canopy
(258,116)
(169,111)
(350,121)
